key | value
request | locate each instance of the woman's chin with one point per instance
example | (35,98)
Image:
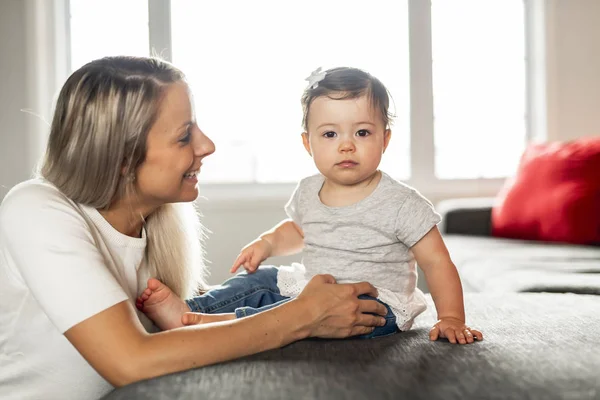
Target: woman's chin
(187,195)
(190,196)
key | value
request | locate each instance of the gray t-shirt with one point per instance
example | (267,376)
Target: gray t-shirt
(366,241)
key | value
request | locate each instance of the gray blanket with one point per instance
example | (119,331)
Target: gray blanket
(537,346)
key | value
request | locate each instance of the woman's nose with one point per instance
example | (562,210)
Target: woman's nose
(203,146)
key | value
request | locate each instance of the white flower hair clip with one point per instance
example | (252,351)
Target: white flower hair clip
(315,77)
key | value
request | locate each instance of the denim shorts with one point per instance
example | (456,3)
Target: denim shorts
(248,294)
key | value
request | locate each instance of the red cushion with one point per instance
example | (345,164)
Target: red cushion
(555,195)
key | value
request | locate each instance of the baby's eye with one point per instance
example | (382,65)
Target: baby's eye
(363,133)
(330,134)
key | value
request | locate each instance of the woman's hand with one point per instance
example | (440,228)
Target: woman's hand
(455,331)
(334,310)
(252,255)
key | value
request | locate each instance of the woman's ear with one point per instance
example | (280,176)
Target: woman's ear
(387,135)
(306,143)
(124,168)
(126,171)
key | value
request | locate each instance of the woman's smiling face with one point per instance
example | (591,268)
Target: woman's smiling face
(174,152)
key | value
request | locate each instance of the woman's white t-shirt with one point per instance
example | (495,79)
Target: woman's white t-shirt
(60,263)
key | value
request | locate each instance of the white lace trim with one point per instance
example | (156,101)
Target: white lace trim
(291,279)
(405,308)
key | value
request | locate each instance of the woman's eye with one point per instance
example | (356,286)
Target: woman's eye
(363,132)
(329,134)
(187,137)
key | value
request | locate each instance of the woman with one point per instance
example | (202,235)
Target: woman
(111,208)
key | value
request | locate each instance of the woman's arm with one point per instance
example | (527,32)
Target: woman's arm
(117,346)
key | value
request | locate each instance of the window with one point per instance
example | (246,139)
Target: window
(246,62)
(478,53)
(107,27)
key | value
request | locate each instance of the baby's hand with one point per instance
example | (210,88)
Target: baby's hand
(454,330)
(252,255)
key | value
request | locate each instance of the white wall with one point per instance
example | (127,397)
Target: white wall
(235,224)
(573,68)
(31,46)
(15,162)
(32,65)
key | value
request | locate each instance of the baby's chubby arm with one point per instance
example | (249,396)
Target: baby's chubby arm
(283,239)
(444,284)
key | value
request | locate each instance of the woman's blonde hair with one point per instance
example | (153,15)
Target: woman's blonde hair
(97,140)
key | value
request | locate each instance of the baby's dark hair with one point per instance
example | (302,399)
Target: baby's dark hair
(349,83)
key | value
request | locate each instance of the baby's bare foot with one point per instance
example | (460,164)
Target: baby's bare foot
(161,305)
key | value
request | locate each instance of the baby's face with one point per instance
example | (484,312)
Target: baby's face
(346,138)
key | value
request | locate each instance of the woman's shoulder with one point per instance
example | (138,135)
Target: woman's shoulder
(33,191)
(35,196)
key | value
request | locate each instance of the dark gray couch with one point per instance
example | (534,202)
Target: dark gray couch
(494,265)
(540,343)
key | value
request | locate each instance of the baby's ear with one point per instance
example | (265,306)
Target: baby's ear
(387,135)
(306,143)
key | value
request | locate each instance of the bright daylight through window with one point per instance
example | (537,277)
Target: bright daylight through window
(478,87)
(247,69)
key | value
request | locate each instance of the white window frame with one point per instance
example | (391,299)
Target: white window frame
(421,107)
